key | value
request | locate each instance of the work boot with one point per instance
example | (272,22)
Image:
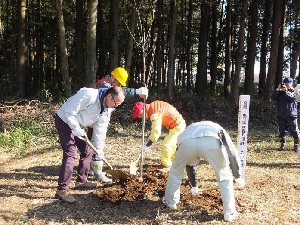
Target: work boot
(296,148)
(282,146)
(64,196)
(87,185)
(101,177)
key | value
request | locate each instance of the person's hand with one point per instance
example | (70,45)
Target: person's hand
(240,182)
(195,191)
(142,92)
(79,132)
(144,148)
(281,87)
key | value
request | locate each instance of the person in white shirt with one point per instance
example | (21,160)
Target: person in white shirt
(207,140)
(88,107)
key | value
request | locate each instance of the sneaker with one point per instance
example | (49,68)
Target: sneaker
(101,177)
(173,207)
(163,169)
(64,196)
(87,184)
(228,217)
(296,148)
(282,147)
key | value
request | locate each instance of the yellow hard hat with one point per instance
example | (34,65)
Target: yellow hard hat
(121,75)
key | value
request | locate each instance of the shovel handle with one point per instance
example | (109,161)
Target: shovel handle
(95,150)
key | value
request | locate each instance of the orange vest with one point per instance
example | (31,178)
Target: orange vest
(170,116)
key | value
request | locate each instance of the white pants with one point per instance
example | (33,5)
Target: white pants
(189,152)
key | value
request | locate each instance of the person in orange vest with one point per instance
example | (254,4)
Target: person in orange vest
(161,114)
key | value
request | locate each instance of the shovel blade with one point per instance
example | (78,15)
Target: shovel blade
(132,168)
(118,174)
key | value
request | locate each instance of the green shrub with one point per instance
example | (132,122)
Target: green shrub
(20,137)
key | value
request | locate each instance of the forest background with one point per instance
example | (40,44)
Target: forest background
(50,49)
(197,55)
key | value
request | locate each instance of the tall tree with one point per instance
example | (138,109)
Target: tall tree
(214,49)
(227,78)
(39,75)
(22,48)
(114,34)
(79,34)
(101,48)
(189,44)
(280,59)
(1,28)
(276,22)
(91,61)
(295,56)
(64,64)
(264,46)
(160,45)
(240,50)
(251,50)
(132,24)
(171,54)
(201,77)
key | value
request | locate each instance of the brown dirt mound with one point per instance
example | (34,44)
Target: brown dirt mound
(152,187)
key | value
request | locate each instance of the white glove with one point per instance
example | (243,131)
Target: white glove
(195,191)
(79,132)
(139,151)
(240,183)
(142,92)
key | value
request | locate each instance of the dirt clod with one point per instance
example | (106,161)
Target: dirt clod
(152,188)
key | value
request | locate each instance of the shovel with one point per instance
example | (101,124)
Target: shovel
(115,173)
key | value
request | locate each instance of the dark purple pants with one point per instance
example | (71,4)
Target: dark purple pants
(70,144)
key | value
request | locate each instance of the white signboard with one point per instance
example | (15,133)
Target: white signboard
(243,118)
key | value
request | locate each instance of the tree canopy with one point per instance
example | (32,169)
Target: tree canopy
(53,48)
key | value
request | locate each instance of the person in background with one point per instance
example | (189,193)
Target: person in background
(88,107)
(287,112)
(210,141)
(117,78)
(161,114)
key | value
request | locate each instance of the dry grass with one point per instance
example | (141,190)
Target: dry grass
(28,183)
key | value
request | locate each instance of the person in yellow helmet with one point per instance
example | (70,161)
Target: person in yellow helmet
(117,78)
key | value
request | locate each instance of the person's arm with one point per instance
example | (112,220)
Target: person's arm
(233,155)
(131,92)
(275,93)
(191,172)
(74,104)
(156,123)
(100,130)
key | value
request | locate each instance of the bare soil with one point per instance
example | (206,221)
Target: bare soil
(28,182)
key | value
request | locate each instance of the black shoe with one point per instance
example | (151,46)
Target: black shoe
(282,147)
(296,148)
